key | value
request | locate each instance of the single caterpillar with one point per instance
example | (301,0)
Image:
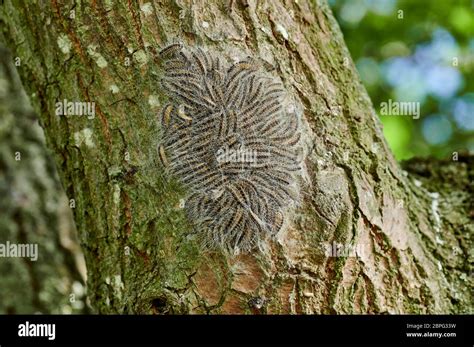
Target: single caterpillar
(229,140)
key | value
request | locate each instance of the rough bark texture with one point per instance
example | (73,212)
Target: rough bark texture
(33,210)
(414,248)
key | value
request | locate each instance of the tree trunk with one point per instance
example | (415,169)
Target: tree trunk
(367,237)
(34,212)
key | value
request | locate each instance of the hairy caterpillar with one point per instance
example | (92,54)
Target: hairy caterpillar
(217,108)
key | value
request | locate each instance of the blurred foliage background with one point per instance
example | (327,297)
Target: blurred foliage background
(421,51)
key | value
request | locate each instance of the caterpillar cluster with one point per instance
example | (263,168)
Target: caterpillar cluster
(229,140)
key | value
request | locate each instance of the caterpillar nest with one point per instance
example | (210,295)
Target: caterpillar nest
(231,138)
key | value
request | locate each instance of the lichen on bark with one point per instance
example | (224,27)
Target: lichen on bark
(34,213)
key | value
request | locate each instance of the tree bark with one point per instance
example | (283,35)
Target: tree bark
(412,241)
(33,211)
